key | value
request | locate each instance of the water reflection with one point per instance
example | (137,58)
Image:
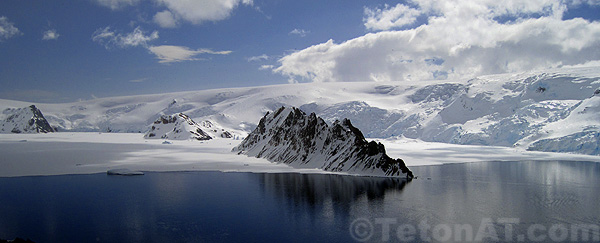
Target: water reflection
(218,207)
(329,202)
(313,189)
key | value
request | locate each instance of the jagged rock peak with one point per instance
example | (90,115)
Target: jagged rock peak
(25,120)
(289,136)
(176,127)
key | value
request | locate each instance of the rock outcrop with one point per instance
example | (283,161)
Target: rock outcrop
(176,127)
(289,136)
(24,120)
(214,130)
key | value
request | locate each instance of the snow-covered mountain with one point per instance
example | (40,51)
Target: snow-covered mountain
(214,130)
(549,110)
(24,120)
(290,136)
(176,127)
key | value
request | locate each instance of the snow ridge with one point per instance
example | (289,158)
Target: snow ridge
(176,127)
(289,136)
(512,110)
(24,120)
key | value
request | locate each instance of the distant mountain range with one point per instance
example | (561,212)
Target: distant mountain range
(550,110)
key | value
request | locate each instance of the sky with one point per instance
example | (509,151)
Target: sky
(62,51)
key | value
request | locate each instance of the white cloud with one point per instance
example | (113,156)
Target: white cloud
(170,54)
(388,18)
(299,32)
(102,34)
(266,67)
(7,29)
(164,53)
(117,4)
(110,39)
(262,57)
(467,38)
(137,38)
(139,80)
(165,19)
(50,35)
(199,11)
(177,11)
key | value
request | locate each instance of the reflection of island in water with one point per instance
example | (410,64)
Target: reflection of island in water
(315,189)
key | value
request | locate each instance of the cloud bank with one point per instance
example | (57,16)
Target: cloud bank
(458,39)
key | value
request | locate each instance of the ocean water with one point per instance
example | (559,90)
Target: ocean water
(542,201)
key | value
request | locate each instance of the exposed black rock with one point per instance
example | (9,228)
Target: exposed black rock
(290,136)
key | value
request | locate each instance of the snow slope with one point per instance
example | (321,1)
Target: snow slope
(538,110)
(86,153)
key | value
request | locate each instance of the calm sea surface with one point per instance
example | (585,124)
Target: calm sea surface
(544,201)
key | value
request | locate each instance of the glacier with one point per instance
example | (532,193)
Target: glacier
(547,110)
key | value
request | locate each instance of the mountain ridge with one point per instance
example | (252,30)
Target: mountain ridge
(176,127)
(24,120)
(289,136)
(513,110)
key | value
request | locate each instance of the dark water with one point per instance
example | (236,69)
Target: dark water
(460,202)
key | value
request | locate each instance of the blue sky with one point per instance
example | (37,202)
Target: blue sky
(60,51)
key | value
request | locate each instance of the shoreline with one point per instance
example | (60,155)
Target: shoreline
(88,153)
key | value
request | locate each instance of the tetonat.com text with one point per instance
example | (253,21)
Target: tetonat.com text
(501,229)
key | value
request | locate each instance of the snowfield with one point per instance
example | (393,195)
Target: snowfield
(86,153)
(549,110)
(495,117)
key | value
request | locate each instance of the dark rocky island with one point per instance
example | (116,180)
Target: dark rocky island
(289,136)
